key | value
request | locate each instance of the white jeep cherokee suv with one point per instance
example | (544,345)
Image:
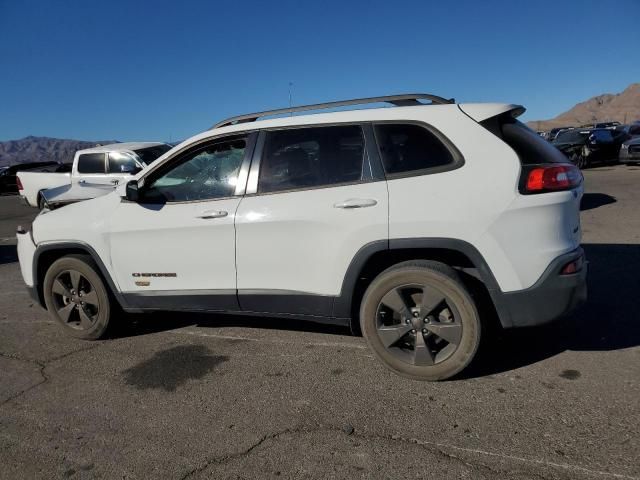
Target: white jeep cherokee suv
(415,223)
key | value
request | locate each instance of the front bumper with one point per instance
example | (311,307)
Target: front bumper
(551,297)
(629,155)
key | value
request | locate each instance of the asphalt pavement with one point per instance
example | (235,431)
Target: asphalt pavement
(208,396)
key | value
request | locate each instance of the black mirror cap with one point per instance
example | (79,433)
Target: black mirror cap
(131,191)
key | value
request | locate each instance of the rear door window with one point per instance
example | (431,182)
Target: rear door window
(411,149)
(91,163)
(301,158)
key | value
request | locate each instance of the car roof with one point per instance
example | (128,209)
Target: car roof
(478,111)
(120,147)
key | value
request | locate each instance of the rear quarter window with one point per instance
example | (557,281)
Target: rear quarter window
(411,149)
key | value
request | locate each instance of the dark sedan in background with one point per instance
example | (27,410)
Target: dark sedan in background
(586,146)
(630,151)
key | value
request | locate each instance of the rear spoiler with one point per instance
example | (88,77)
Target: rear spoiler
(483,111)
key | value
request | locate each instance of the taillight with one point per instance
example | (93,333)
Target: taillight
(19,183)
(550,178)
(573,267)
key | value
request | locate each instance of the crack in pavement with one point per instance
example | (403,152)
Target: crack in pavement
(433,447)
(41,369)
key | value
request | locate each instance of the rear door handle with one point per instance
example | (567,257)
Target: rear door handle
(115,182)
(356,203)
(213,214)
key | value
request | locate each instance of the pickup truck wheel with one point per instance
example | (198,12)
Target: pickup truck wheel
(77,298)
(420,320)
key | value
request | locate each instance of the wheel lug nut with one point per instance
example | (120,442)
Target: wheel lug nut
(416,314)
(424,330)
(413,331)
(407,321)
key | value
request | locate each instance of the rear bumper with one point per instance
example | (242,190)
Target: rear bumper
(551,297)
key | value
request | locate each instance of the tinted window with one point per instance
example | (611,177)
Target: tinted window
(601,135)
(410,148)
(205,173)
(311,157)
(91,163)
(122,162)
(634,130)
(530,148)
(571,136)
(149,154)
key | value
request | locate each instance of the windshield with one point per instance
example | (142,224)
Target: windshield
(150,154)
(571,136)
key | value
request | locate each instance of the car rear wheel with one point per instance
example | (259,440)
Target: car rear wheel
(77,298)
(420,320)
(579,160)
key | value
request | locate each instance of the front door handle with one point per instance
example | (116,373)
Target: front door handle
(356,203)
(213,214)
(115,182)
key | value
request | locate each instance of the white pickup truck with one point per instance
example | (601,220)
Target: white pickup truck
(96,172)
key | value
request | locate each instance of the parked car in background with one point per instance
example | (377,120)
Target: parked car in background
(95,172)
(627,132)
(630,151)
(390,220)
(586,146)
(8,180)
(553,133)
(609,125)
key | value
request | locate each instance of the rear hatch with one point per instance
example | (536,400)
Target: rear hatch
(545,170)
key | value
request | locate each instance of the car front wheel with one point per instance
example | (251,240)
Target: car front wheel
(77,298)
(420,320)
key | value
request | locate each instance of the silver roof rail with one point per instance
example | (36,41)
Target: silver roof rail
(405,100)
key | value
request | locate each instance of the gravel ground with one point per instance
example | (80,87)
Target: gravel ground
(209,396)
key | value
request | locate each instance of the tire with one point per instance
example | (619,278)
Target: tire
(579,160)
(393,318)
(77,298)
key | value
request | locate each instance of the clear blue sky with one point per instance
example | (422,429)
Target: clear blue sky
(133,70)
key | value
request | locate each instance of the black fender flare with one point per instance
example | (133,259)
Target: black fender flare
(342,304)
(86,248)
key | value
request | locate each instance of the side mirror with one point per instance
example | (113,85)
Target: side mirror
(131,192)
(130,169)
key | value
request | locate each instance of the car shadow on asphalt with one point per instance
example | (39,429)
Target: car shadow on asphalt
(8,254)
(595,200)
(144,324)
(609,320)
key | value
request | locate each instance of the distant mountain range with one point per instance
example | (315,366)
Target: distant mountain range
(621,107)
(42,149)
